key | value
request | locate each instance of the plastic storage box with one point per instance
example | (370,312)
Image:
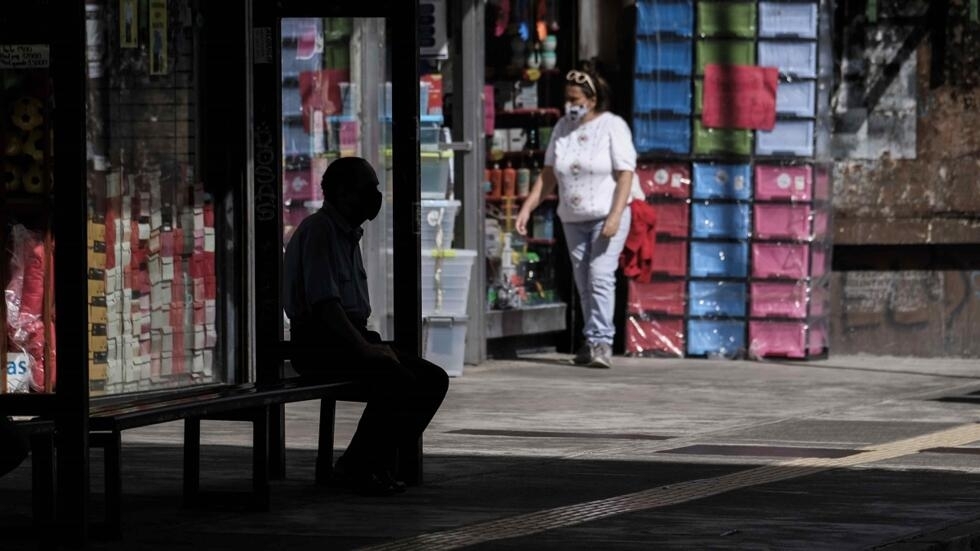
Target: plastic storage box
(662,95)
(818,343)
(778,299)
(446,295)
(797,98)
(444,342)
(787,138)
(716,220)
(718,259)
(782,19)
(726,19)
(670,258)
(435,173)
(722,181)
(820,299)
(672,219)
(650,335)
(776,182)
(716,298)
(714,141)
(664,16)
(819,264)
(781,221)
(725,52)
(662,297)
(664,180)
(715,337)
(785,339)
(672,135)
(795,59)
(663,56)
(780,260)
(438,222)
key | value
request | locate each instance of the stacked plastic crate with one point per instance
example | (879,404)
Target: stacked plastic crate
(741,253)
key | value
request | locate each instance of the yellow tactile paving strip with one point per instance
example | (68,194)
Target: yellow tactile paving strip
(663,496)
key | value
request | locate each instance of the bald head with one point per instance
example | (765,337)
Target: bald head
(351,186)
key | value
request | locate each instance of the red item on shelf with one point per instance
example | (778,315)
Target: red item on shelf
(509,182)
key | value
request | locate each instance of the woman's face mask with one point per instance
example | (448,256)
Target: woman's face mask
(575,111)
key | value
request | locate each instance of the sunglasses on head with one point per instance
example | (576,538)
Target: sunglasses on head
(578,77)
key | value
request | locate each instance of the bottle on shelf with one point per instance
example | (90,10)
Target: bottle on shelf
(496,176)
(509,181)
(523,181)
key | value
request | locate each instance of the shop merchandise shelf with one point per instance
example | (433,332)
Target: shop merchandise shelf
(665,179)
(663,56)
(671,135)
(719,259)
(721,141)
(673,218)
(659,296)
(661,95)
(724,338)
(720,220)
(784,182)
(714,298)
(529,320)
(722,181)
(796,98)
(794,59)
(654,336)
(789,138)
(724,52)
(726,19)
(654,17)
(783,19)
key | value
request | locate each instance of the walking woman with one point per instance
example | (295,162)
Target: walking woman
(590,159)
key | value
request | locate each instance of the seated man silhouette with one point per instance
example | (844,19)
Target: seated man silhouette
(325,295)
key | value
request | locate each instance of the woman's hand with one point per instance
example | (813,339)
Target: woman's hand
(611,226)
(521,223)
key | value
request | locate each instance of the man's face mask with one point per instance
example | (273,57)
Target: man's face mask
(362,205)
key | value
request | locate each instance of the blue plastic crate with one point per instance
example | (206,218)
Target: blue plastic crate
(720,220)
(786,139)
(710,337)
(671,96)
(716,298)
(722,181)
(665,16)
(719,259)
(672,135)
(664,56)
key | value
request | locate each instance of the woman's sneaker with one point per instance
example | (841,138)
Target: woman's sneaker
(601,356)
(584,355)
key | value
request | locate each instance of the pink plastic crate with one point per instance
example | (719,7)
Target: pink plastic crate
(780,260)
(821,223)
(665,180)
(778,299)
(818,338)
(786,221)
(299,186)
(785,339)
(783,182)
(644,335)
(665,297)
(819,301)
(819,262)
(670,258)
(672,219)
(821,183)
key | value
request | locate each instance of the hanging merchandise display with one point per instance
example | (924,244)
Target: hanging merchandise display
(725,121)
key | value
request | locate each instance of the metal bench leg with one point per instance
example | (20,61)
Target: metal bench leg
(324,447)
(111,443)
(260,457)
(277,442)
(410,463)
(192,460)
(43,475)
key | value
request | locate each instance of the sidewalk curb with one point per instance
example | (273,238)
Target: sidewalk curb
(962,536)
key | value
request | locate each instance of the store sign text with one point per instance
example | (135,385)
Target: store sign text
(24,56)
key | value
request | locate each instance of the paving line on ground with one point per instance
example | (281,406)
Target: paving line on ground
(673,494)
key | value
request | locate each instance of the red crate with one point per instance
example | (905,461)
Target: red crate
(664,297)
(665,180)
(670,258)
(786,339)
(651,335)
(784,182)
(780,260)
(672,219)
(781,221)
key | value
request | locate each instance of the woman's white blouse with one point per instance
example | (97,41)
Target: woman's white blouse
(584,157)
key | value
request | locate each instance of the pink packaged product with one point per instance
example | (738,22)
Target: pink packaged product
(666,297)
(781,221)
(672,219)
(670,258)
(657,336)
(778,299)
(781,260)
(786,339)
(793,183)
(665,180)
